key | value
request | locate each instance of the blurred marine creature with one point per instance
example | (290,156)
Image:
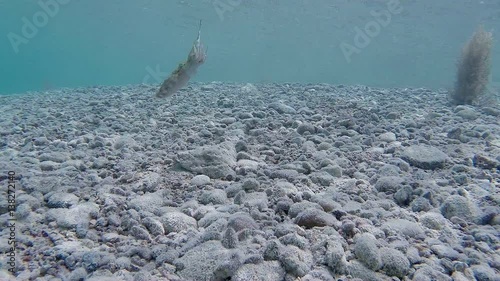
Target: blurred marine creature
(181,75)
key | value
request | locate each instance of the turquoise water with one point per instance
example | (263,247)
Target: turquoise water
(114,42)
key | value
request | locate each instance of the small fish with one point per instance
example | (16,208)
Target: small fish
(184,71)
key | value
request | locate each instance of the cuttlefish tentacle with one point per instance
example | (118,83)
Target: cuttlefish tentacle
(198,52)
(181,75)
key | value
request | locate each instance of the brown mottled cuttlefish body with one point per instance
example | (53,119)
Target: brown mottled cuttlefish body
(181,75)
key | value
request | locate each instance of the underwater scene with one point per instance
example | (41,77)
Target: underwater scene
(249,140)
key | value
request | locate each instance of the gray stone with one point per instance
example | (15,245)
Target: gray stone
(443,251)
(358,270)
(367,252)
(215,161)
(282,108)
(297,208)
(250,185)
(322,178)
(272,250)
(140,233)
(405,227)
(215,197)
(335,257)
(334,170)
(227,268)
(287,174)
(62,200)
(483,272)
(306,127)
(76,275)
(229,239)
(210,218)
(200,180)
(94,259)
(154,226)
(468,114)
(240,221)
(58,157)
(458,206)
(177,221)
(313,217)
(296,261)
(387,137)
(284,188)
(47,166)
(425,157)
(427,273)
(123,262)
(254,200)
(295,240)
(149,202)
(265,271)
(394,262)
(200,262)
(420,204)
(432,220)
(77,215)
(389,184)
(403,196)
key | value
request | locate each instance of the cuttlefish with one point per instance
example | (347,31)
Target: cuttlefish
(181,75)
